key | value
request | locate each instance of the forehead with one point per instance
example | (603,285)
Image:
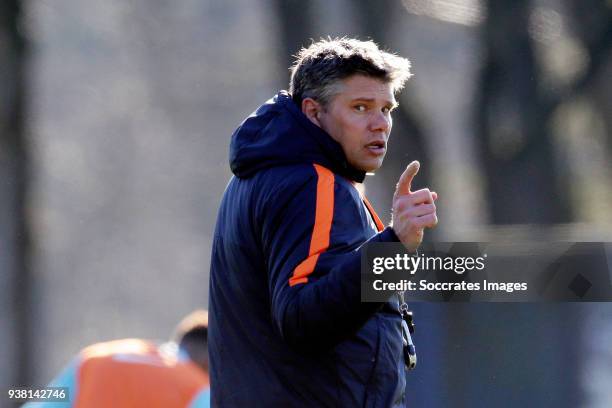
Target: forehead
(364,87)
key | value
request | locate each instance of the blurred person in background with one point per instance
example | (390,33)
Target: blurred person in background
(139,373)
(287,325)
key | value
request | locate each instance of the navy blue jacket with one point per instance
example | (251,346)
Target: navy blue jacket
(287,327)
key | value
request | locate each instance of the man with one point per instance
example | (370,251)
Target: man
(137,373)
(287,325)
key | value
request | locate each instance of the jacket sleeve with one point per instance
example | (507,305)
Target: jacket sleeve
(314,275)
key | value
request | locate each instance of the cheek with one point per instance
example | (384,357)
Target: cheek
(357,130)
(355,139)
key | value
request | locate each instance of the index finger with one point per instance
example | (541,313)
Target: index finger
(405,181)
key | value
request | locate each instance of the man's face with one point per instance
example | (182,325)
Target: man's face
(359,118)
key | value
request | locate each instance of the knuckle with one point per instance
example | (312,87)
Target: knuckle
(409,203)
(425,195)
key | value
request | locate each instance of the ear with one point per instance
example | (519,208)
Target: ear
(312,109)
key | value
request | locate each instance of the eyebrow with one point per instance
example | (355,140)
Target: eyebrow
(394,104)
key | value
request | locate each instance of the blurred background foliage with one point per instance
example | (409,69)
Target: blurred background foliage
(115,120)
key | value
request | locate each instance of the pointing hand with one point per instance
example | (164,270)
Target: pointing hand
(413,211)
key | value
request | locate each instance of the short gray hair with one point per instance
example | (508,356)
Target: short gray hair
(319,68)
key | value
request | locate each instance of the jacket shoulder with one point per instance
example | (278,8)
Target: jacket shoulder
(287,179)
(293,179)
(292,173)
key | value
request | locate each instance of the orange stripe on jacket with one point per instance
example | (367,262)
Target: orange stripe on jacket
(324,215)
(377,220)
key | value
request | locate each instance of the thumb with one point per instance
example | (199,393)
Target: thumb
(405,180)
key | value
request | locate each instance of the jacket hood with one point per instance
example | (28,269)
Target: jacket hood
(278,134)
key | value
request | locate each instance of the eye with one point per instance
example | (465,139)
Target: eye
(388,109)
(360,108)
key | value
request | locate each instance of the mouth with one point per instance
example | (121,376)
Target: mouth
(377,147)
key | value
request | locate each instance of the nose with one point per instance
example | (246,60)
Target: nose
(381,122)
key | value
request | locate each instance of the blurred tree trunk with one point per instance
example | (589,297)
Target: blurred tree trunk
(592,23)
(295,32)
(512,124)
(14,272)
